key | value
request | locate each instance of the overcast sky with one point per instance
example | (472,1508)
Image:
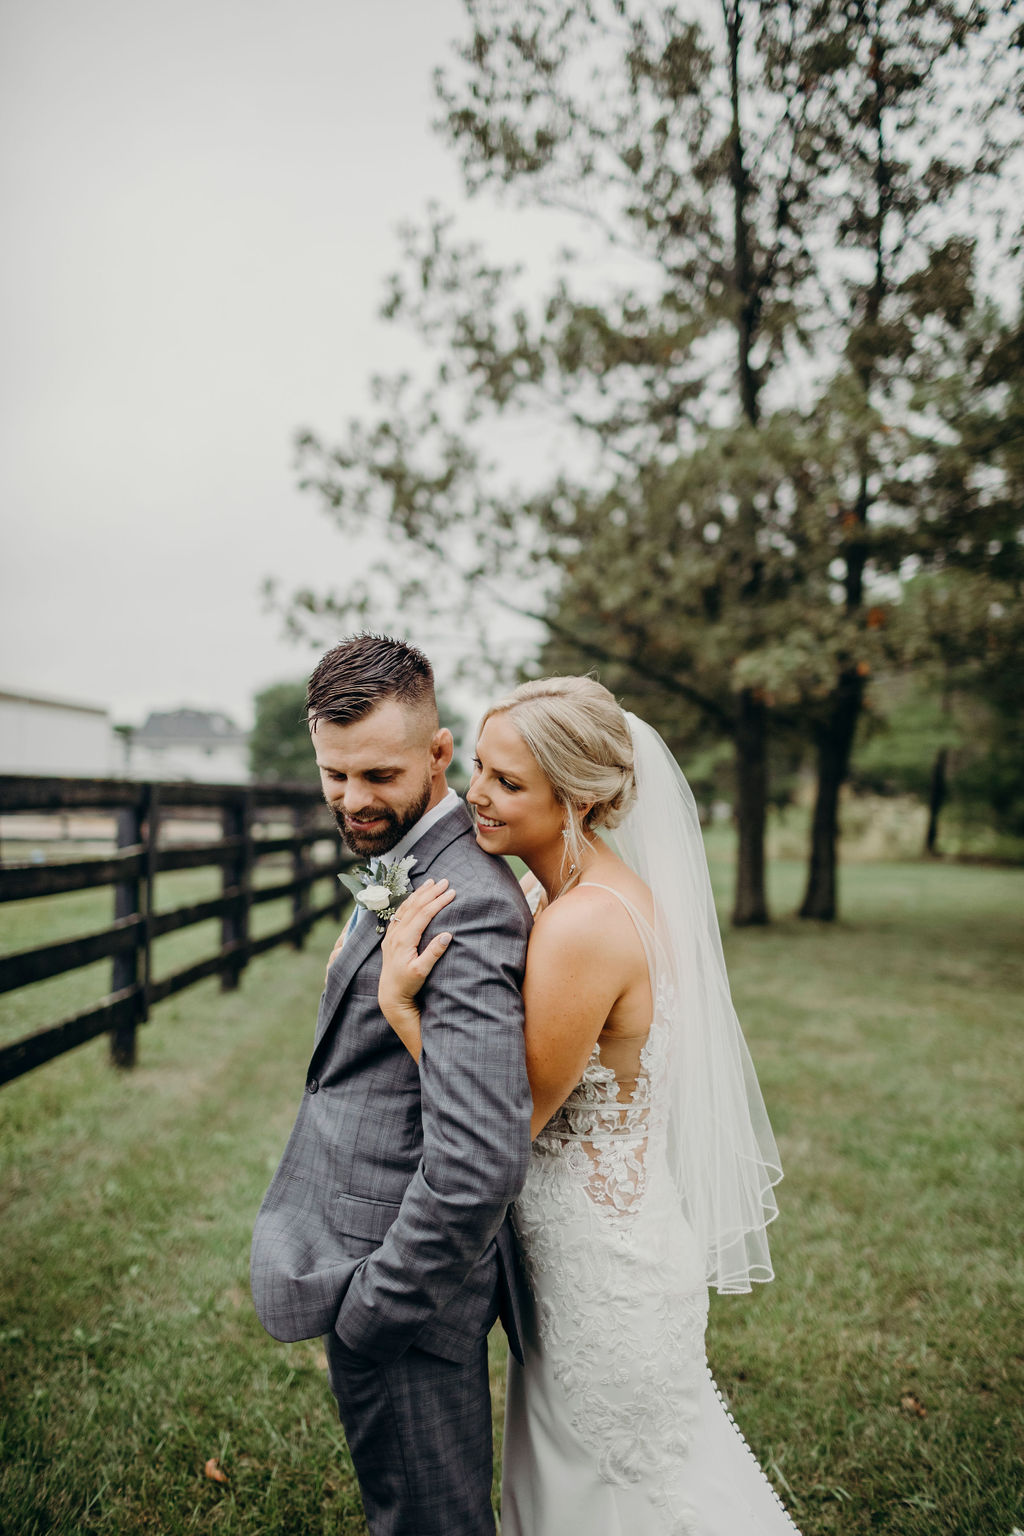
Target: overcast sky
(200,201)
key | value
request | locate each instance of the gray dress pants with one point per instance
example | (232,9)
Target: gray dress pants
(419,1432)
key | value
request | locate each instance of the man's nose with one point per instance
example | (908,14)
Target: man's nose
(357,797)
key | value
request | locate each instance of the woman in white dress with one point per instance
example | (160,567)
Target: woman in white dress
(653,1161)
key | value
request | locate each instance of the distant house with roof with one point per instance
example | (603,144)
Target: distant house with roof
(199,744)
(55,737)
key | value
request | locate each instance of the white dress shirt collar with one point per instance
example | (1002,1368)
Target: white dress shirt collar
(427,820)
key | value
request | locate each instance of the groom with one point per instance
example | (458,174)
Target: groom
(385,1226)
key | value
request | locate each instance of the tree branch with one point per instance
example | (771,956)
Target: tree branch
(666,680)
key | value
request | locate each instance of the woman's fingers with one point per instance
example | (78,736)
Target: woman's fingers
(404,968)
(422,963)
(424,894)
(436,948)
(418,910)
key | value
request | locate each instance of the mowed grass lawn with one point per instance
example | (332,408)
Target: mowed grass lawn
(879,1379)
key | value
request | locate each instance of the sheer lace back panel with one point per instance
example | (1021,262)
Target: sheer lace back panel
(602,1132)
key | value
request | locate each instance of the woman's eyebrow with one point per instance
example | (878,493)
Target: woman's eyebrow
(499,772)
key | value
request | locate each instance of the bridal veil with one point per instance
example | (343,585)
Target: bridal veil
(722,1154)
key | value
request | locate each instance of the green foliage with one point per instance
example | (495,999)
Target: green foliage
(988,785)
(718,539)
(645,125)
(279,748)
(962,630)
(908,725)
(756,370)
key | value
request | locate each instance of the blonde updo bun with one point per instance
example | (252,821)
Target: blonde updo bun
(581,740)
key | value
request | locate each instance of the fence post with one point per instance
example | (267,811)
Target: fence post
(300,869)
(152,803)
(126,967)
(237,872)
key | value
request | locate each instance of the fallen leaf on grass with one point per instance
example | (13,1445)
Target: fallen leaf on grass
(911,1404)
(214,1471)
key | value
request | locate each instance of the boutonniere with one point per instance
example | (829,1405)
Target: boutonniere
(380,887)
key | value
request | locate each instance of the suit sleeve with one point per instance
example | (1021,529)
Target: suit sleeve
(475,1101)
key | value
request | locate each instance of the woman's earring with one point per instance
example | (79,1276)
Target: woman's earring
(565,839)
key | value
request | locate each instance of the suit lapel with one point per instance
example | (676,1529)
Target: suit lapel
(358,944)
(364,938)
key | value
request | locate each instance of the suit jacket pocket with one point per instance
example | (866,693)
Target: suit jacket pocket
(369,1219)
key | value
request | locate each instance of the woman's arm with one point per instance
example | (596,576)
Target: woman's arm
(404,969)
(575,965)
(574,977)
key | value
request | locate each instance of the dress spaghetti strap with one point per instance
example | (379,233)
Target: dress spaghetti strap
(633,911)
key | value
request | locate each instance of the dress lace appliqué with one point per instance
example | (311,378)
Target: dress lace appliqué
(602,1136)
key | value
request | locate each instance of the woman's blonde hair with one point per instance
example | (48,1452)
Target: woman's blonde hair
(582,743)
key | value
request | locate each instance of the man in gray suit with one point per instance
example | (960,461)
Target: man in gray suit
(385,1227)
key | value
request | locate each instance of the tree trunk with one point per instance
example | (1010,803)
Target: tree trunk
(835,736)
(751,905)
(835,740)
(936,800)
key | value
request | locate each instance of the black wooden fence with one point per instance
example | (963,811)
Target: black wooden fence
(247,815)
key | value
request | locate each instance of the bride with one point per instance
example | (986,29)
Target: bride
(653,1161)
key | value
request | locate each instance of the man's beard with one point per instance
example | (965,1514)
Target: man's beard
(397,824)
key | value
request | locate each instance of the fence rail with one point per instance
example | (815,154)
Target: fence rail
(144,811)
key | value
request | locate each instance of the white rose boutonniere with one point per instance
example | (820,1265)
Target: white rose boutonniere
(380,887)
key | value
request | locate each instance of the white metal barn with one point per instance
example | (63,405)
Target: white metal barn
(55,736)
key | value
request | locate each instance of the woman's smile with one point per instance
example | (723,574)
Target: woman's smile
(517,812)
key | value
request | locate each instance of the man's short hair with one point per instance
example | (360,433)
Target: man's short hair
(358,674)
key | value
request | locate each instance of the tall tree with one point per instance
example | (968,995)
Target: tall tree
(697,545)
(892,135)
(632,118)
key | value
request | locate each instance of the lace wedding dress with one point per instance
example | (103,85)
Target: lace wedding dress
(614,1426)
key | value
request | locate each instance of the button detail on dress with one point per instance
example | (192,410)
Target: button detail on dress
(313,1086)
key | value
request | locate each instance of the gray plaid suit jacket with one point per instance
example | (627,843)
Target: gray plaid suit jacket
(386,1221)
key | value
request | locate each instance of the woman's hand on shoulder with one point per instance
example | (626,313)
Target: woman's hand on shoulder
(405,968)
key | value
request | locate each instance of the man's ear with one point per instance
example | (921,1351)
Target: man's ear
(442,750)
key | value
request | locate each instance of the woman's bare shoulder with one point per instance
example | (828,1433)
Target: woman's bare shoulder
(614,875)
(590,919)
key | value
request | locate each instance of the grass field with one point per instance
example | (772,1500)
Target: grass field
(879,1379)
